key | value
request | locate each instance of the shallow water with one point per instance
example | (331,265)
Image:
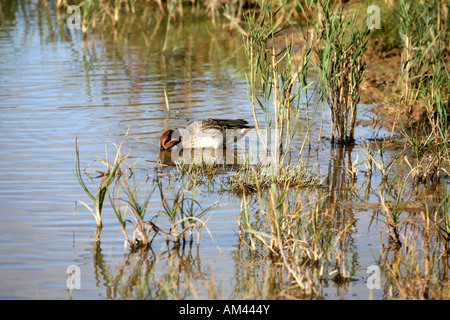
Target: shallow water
(55,88)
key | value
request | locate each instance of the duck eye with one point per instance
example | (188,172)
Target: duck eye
(168,137)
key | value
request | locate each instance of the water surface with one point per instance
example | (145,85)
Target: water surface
(55,87)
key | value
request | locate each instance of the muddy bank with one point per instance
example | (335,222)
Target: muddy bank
(381,87)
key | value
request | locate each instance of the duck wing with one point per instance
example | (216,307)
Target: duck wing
(225,124)
(215,133)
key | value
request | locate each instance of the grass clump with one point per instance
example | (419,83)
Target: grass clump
(183,211)
(250,178)
(144,231)
(340,49)
(112,171)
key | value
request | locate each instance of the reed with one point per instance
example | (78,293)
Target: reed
(340,50)
(273,82)
(429,141)
(112,171)
(144,231)
(183,211)
(423,36)
(283,225)
(179,205)
(425,84)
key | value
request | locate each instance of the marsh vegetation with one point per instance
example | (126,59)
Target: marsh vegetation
(335,183)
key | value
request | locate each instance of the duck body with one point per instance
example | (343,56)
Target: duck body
(206,133)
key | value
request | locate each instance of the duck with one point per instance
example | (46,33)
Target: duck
(205,133)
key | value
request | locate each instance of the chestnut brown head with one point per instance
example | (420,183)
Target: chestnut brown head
(169,139)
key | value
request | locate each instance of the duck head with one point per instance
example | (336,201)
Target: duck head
(169,139)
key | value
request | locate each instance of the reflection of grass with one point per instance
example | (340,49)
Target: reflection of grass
(116,11)
(443,213)
(174,273)
(306,240)
(169,18)
(418,268)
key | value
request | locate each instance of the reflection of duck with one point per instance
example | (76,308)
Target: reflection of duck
(229,157)
(207,133)
(165,156)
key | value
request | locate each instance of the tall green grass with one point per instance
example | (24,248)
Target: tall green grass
(340,49)
(283,225)
(425,83)
(423,33)
(273,84)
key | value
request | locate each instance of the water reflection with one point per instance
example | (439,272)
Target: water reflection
(224,157)
(174,272)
